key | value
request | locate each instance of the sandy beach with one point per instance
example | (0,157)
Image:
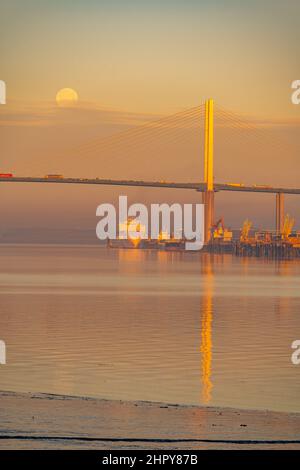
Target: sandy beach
(45,421)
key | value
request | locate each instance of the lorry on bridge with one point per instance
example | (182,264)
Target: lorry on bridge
(54,177)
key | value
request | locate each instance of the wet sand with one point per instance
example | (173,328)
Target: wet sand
(45,421)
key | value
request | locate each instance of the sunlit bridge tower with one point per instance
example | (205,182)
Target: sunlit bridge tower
(208,195)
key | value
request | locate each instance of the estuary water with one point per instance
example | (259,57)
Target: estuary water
(185,328)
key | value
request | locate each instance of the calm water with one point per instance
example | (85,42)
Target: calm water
(141,325)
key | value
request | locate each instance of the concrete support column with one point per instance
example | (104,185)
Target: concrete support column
(208,199)
(279,212)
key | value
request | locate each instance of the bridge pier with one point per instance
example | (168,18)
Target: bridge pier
(208,199)
(279,212)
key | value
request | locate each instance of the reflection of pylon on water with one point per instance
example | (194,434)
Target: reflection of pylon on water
(206,347)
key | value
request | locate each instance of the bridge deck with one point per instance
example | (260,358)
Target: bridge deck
(152,184)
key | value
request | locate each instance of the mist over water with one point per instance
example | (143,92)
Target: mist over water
(187,328)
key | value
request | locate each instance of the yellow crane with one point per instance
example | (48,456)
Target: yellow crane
(288,226)
(220,232)
(244,237)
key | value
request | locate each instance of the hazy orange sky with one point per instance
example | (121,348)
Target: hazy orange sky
(130,62)
(156,56)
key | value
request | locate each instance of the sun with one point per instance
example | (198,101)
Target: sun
(66,97)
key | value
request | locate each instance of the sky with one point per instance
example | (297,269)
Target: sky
(156,56)
(131,62)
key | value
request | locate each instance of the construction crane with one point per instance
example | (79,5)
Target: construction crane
(288,226)
(219,231)
(244,237)
(218,226)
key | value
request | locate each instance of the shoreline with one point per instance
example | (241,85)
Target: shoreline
(50,421)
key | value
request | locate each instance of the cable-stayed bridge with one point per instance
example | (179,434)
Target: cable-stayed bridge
(180,128)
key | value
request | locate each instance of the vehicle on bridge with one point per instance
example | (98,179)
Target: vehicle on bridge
(54,177)
(6,175)
(238,185)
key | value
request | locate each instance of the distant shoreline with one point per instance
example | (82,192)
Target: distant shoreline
(48,421)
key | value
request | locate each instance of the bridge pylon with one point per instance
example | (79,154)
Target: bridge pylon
(208,195)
